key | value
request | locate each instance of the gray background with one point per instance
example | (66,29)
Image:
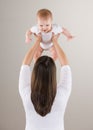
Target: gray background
(16,16)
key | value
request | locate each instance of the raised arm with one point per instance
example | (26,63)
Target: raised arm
(67,33)
(65,81)
(61,55)
(29,55)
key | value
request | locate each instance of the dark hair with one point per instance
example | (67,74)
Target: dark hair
(43,85)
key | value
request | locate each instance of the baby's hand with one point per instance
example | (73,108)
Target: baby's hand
(28,36)
(28,40)
(70,37)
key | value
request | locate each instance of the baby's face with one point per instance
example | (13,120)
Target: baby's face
(44,25)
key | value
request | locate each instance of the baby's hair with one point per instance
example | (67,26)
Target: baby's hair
(44,13)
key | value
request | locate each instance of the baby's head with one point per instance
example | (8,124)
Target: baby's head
(44,20)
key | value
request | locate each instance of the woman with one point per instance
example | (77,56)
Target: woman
(44,101)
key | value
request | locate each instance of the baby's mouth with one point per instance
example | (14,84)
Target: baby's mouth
(45,30)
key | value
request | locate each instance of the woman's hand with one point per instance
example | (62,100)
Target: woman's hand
(38,37)
(55,37)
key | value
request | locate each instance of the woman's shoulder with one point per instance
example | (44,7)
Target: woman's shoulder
(65,77)
(25,70)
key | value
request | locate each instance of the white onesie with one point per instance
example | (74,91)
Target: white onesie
(46,42)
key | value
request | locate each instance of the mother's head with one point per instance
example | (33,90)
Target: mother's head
(43,85)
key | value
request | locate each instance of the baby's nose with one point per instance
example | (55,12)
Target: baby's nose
(44,27)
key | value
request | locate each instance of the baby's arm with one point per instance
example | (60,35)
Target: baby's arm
(67,33)
(28,36)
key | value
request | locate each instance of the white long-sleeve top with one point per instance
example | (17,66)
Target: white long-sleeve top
(55,119)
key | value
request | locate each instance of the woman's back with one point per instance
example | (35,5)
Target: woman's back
(55,119)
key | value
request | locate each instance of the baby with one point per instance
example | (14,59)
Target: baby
(46,28)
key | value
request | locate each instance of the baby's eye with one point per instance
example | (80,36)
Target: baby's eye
(41,25)
(47,25)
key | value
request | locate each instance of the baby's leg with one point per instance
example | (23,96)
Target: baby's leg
(53,53)
(38,53)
